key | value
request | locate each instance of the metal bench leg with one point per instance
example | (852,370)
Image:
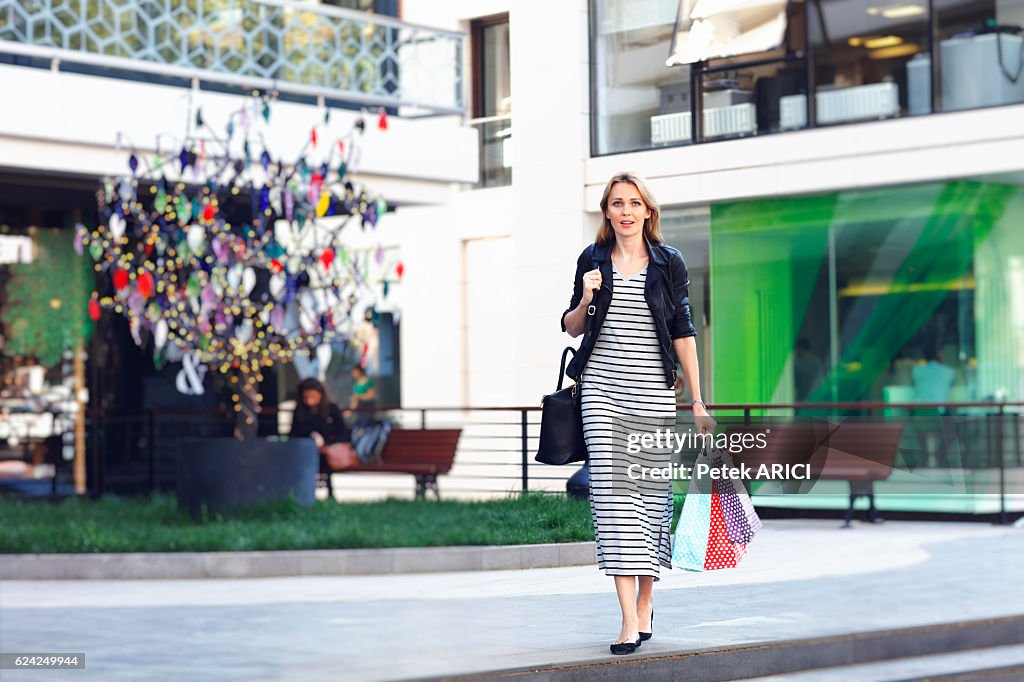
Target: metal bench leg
(873,515)
(426,483)
(849,512)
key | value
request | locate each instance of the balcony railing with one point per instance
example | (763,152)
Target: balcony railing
(272,44)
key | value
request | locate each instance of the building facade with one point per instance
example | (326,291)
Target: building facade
(826,259)
(94,87)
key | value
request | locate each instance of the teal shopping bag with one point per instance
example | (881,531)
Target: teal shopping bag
(690,541)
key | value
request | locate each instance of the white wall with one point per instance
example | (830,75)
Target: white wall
(531,232)
(68,123)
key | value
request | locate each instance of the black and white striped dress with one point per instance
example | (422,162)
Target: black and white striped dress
(624,392)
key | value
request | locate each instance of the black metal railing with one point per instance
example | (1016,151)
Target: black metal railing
(136,453)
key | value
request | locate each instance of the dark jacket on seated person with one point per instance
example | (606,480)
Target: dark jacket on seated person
(325,419)
(331,426)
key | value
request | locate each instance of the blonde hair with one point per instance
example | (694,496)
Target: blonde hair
(652,225)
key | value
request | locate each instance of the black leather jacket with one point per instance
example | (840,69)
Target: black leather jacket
(666,288)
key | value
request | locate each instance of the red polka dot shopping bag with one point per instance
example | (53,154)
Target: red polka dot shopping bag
(718,520)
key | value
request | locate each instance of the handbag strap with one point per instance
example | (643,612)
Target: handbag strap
(589,324)
(591,310)
(561,369)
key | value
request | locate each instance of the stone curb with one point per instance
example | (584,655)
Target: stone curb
(759,659)
(323,562)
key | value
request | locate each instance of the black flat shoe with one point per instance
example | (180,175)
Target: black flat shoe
(625,647)
(644,636)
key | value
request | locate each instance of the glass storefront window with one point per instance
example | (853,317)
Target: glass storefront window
(862,53)
(748,100)
(631,83)
(862,60)
(848,293)
(982,58)
(687,229)
(640,102)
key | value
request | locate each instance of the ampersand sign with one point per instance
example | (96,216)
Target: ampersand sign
(190,376)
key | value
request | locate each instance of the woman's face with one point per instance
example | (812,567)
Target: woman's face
(626,210)
(311,399)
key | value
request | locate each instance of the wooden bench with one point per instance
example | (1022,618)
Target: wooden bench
(857,452)
(423,453)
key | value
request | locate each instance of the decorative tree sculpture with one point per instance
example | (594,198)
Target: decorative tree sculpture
(233,258)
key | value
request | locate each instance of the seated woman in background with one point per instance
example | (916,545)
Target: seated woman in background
(317,417)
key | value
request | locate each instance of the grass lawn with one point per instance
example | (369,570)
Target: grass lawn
(124,524)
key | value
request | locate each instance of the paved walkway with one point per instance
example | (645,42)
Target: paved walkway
(801,578)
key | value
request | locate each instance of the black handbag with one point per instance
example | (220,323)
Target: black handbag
(561,417)
(561,423)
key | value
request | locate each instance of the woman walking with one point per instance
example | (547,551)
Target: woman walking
(631,302)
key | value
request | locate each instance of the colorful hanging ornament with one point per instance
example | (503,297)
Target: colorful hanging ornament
(145,284)
(289,205)
(233,294)
(323,204)
(400,270)
(327,257)
(116,225)
(160,202)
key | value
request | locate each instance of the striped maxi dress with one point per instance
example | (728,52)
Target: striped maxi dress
(624,392)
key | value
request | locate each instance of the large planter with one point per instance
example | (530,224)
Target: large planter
(221,474)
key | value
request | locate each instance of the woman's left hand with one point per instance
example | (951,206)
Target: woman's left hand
(702,420)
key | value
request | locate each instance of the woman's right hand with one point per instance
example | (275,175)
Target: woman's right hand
(591,283)
(318,439)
